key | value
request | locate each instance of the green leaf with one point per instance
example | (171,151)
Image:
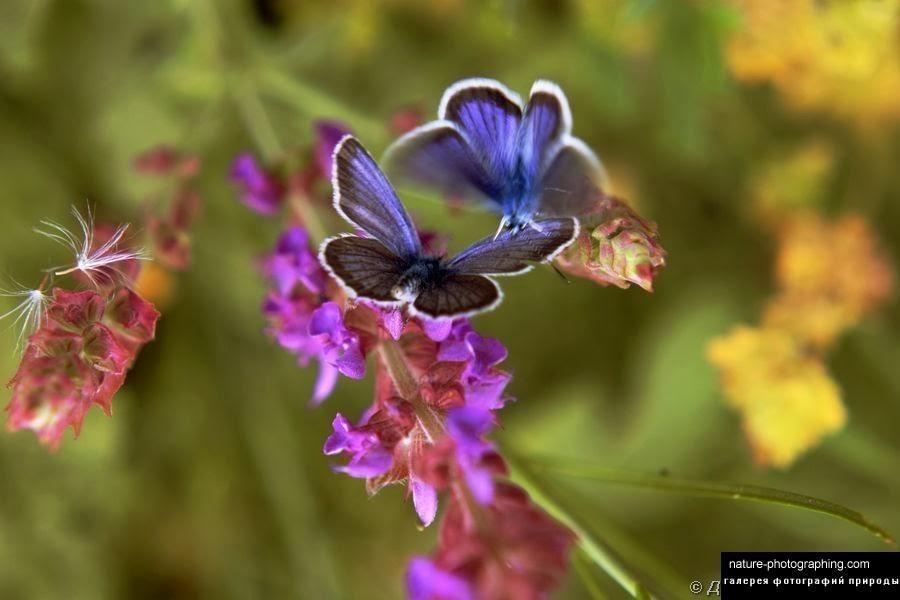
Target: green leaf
(595,549)
(752,493)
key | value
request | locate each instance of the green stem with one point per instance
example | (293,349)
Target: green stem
(256,120)
(593,548)
(582,565)
(317,104)
(309,216)
(408,387)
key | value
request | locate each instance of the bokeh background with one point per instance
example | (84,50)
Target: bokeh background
(209,480)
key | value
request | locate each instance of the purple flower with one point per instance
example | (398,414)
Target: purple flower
(294,262)
(466,344)
(340,346)
(328,134)
(483,383)
(467,426)
(368,457)
(289,320)
(260,191)
(289,324)
(292,307)
(425,581)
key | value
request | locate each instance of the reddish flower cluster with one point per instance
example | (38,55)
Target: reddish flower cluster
(81,343)
(76,358)
(170,229)
(510,549)
(616,246)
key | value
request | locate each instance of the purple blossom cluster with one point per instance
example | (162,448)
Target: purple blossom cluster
(303,320)
(438,385)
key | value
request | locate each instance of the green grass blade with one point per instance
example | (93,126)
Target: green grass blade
(595,549)
(703,489)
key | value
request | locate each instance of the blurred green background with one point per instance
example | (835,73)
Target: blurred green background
(209,480)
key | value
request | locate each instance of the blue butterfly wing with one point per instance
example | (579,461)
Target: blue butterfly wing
(545,126)
(366,199)
(573,181)
(439,155)
(489,115)
(512,253)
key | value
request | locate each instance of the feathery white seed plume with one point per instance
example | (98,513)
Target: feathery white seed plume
(94,263)
(29,312)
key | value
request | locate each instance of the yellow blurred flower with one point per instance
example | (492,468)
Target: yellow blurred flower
(840,56)
(786,398)
(830,275)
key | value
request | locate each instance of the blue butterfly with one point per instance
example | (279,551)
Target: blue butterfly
(521,162)
(390,267)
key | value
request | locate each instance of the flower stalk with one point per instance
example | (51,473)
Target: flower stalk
(392,356)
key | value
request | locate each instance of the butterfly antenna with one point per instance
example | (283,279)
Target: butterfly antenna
(560,273)
(503,222)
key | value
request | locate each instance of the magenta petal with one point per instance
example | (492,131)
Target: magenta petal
(454,351)
(352,363)
(373,462)
(259,191)
(487,351)
(425,581)
(437,329)
(424,500)
(325,320)
(341,436)
(481,484)
(393,323)
(325,382)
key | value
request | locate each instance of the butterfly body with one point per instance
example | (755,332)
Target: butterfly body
(388,265)
(519,161)
(422,274)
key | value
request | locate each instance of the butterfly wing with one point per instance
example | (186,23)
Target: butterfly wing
(366,199)
(546,124)
(440,156)
(488,114)
(512,253)
(458,295)
(364,267)
(571,183)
